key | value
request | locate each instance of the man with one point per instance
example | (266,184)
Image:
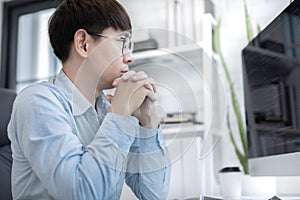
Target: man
(68,141)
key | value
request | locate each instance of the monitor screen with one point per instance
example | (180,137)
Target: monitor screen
(271,69)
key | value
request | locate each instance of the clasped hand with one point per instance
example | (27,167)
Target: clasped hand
(135,95)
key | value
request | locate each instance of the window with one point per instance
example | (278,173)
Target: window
(26,51)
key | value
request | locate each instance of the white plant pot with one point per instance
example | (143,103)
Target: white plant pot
(231,185)
(261,187)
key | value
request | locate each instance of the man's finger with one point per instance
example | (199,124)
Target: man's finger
(151,96)
(127,75)
(149,87)
(116,82)
(139,76)
(154,87)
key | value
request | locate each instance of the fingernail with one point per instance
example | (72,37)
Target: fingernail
(148,87)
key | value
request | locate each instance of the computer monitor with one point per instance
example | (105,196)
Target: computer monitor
(271,72)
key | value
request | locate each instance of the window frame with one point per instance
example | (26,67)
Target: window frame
(11,12)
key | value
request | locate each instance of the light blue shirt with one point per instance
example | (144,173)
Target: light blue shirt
(64,149)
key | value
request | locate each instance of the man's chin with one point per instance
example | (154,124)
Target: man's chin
(108,87)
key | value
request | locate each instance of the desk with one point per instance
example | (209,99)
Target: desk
(249,198)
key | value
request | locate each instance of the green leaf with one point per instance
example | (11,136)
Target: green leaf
(250,35)
(258,28)
(238,115)
(219,52)
(235,103)
(242,158)
(234,100)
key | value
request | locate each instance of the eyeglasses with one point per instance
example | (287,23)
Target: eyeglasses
(127,46)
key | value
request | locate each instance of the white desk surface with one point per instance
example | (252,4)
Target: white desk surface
(251,198)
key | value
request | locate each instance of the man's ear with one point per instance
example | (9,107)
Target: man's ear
(82,42)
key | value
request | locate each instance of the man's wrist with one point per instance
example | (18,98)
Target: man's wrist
(150,123)
(121,112)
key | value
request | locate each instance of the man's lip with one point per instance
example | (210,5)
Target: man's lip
(126,69)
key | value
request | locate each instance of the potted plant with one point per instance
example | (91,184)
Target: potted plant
(249,184)
(241,154)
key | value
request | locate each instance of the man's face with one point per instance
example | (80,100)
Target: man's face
(116,64)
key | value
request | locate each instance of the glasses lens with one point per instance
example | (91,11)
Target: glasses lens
(127,46)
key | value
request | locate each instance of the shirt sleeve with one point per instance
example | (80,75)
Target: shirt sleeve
(42,128)
(149,167)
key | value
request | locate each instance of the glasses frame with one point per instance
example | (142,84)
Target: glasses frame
(119,38)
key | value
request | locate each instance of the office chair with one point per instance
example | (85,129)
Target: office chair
(7,98)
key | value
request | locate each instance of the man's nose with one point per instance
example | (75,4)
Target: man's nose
(128,58)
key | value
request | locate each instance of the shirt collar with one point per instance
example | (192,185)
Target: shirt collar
(79,102)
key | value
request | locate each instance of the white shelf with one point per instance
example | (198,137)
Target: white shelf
(182,130)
